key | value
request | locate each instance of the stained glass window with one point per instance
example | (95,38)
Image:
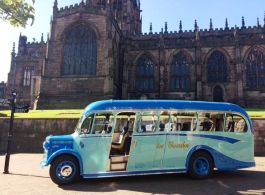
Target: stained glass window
(255,69)
(144,78)
(179,72)
(28,71)
(80,53)
(217,67)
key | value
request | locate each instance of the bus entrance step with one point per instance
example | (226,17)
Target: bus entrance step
(118,159)
(118,166)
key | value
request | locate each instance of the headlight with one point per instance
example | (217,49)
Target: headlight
(46,145)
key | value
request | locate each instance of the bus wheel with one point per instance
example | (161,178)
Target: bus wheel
(201,165)
(64,170)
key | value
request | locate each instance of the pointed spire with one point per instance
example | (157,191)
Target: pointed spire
(180,26)
(211,24)
(197,34)
(264,19)
(162,30)
(166,27)
(151,28)
(226,24)
(258,25)
(195,25)
(235,32)
(55,4)
(243,22)
(41,38)
(13,50)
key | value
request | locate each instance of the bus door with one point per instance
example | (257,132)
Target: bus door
(95,142)
(147,145)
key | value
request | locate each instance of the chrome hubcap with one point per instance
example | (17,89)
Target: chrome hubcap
(66,171)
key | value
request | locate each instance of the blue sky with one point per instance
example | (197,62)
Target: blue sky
(156,11)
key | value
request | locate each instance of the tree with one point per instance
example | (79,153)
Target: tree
(17,12)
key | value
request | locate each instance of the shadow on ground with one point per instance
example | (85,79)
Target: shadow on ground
(222,182)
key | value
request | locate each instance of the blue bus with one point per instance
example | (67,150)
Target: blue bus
(137,137)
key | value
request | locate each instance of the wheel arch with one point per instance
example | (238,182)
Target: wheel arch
(69,152)
(200,148)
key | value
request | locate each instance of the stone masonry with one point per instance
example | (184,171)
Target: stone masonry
(37,69)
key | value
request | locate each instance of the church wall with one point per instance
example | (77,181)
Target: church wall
(225,43)
(229,88)
(81,89)
(119,45)
(61,24)
(30,56)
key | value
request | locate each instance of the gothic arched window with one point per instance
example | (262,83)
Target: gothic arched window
(179,72)
(255,69)
(144,77)
(80,52)
(217,67)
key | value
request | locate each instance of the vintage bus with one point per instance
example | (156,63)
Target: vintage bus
(138,137)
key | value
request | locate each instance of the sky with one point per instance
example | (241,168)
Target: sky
(156,11)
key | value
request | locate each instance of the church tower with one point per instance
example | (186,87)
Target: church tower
(84,59)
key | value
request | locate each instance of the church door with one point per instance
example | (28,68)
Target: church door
(218,94)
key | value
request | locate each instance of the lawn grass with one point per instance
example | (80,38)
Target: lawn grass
(45,114)
(253,113)
(256,113)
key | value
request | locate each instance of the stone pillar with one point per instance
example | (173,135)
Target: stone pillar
(199,90)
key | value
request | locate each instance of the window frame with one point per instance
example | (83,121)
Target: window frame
(80,51)
(144,75)
(217,67)
(176,75)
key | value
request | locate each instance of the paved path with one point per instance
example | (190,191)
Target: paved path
(27,177)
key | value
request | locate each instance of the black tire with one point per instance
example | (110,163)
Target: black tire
(201,165)
(64,170)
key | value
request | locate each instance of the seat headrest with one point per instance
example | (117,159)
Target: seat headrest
(125,129)
(143,128)
(109,129)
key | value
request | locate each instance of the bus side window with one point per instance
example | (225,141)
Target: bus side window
(205,122)
(164,123)
(241,126)
(235,123)
(184,121)
(186,126)
(230,123)
(103,123)
(86,125)
(174,124)
(146,123)
(218,122)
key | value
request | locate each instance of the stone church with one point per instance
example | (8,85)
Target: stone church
(96,50)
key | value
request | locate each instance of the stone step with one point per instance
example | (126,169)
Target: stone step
(118,159)
(118,166)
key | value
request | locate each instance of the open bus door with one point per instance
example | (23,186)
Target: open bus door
(147,145)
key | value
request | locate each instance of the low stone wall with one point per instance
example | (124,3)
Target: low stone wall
(259,136)
(29,134)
